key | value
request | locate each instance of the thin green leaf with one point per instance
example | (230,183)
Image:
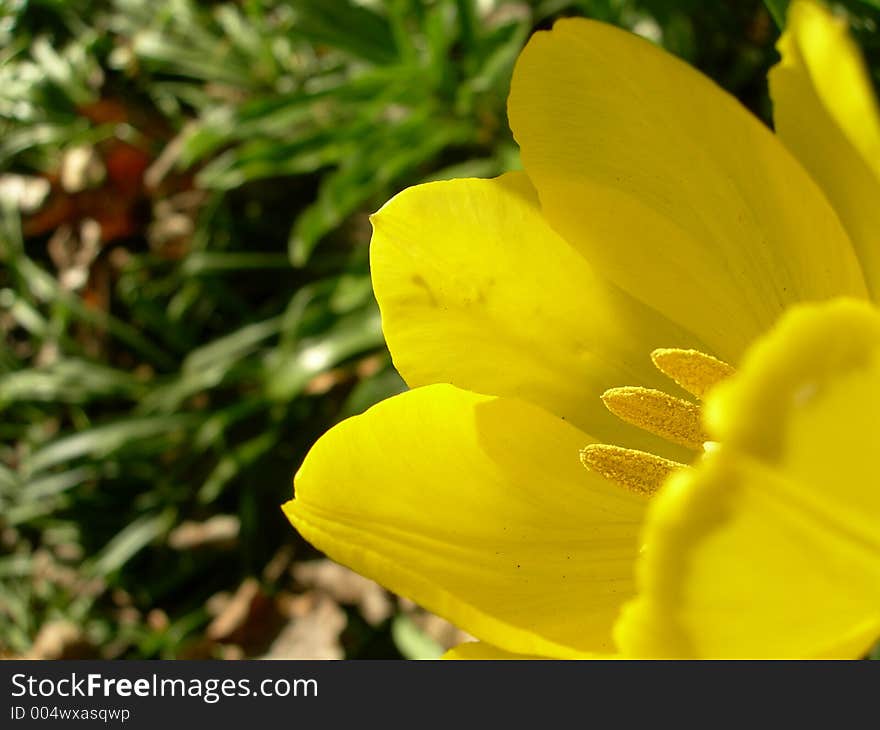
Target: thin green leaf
(131,540)
(778,9)
(411,641)
(102,441)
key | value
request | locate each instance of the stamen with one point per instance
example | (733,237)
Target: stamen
(671,418)
(663,415)
(636,470)
(693,370)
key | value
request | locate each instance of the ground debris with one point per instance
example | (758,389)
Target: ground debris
(313,631)
(346,586)
(60,640)
(220,530)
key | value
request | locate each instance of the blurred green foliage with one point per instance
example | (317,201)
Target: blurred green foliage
(184,294)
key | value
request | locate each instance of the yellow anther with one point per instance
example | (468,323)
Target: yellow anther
(636,470)
(693,370)
(664,415)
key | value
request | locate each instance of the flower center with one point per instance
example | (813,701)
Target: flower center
(674,419)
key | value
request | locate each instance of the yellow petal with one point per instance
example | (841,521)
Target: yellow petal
(770,547)
(477,508)
(826,113)
(478,291)
(481,650)
(670,187)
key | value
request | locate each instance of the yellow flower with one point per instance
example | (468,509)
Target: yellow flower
(654,212)
(770,546)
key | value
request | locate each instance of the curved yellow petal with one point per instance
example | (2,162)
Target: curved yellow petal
(826,113)
(670,188)
(770,547)
(480,650)
(477,508)
(477,290)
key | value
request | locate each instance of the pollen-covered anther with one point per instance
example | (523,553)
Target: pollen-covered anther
(636,470)
(671,418)
(693,370)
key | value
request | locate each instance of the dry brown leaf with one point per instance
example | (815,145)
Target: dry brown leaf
(220,529)
(59,640)
(346,586)
(313,631)
(237,610)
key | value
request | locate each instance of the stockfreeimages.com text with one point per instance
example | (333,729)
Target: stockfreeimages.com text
(209,690)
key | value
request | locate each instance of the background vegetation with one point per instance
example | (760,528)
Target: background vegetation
(185,299)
